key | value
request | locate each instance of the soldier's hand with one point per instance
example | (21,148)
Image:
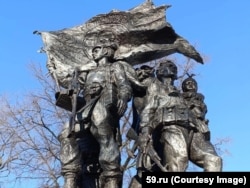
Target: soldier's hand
(143,141)
(122,106)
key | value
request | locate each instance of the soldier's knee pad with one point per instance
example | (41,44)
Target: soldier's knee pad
(213,163)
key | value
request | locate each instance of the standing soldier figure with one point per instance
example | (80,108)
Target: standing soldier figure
(166,117)
(202,152)
(106,91)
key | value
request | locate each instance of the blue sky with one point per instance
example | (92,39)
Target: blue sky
(218,29)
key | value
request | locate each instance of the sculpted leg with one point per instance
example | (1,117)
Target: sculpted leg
(70,156)
(203,154)
(212,163)
(175,153)
(104,129)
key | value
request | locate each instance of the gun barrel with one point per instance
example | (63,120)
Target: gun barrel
(155,157)
(150,151)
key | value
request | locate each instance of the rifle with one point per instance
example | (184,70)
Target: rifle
(74,89)
(150,151)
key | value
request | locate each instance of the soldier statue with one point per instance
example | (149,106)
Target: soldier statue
(106,91)
(202,152)
(166,119)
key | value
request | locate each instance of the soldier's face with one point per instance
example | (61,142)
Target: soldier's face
(97,53)
(144,73)
(167,70)
(190,86)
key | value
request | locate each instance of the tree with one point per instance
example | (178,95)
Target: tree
(28,136)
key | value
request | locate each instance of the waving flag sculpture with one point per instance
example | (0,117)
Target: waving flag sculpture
(142,35)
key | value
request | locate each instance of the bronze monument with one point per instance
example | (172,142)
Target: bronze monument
(93,65)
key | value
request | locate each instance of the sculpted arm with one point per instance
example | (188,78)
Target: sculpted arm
(151,105)
(147,118)
(124,88)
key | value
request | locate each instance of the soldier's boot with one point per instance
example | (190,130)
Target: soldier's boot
(110,182)
(135,182)
(70,181)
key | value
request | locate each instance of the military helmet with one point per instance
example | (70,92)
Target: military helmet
(113,46)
